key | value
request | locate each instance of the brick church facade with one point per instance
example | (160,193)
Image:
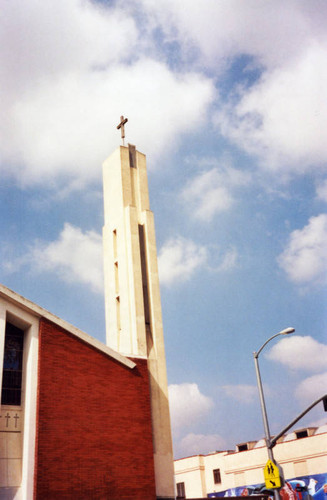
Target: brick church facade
(86,416)
(80,388)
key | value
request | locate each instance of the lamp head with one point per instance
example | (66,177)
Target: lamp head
(287,331)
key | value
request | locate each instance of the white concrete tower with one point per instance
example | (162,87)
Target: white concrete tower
(132,295)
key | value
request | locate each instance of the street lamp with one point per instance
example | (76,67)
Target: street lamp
(287,331)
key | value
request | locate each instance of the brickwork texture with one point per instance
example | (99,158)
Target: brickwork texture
(94,433)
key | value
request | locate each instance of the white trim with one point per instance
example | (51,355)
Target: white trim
(2,340)
(30,383)
(30,324)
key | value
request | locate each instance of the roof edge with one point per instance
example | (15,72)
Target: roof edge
(40,312)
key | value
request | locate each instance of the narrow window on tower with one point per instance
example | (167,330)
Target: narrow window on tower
(12,366)
(114,236)
(144,276)
(118,313)
(116,278)
(132,155)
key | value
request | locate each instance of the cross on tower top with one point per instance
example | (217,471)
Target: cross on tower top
(121,126)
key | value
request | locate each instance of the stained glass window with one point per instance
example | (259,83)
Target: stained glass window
(12,366)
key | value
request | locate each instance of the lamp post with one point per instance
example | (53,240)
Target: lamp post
(287,331)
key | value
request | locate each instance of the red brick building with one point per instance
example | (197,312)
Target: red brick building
(85,416)
(83,389)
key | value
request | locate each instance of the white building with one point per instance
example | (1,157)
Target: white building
(301,453)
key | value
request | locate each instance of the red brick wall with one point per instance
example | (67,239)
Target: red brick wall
(94,435)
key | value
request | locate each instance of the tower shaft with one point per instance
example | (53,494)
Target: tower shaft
(132,295)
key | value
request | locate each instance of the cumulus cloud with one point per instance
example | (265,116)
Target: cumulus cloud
(187,404)
(179,259)
(67,76)
(68,72)
(65,127)
(213,31)
(47,39)
(305,256)
(195,444)
(211,192)
(282,118)
(227,261)
(75,257)
(242,393)
(300,353)
(312,388)
(322,191)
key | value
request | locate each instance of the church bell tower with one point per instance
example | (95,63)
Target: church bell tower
(132,295)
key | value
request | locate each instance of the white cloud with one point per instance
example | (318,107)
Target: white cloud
(305,256)
(273,32)
(300,353)
(67,127)
(69,71)
(67,76)
(282,119)
(242,393)
(179,258)
(228,261)
(211,192)
(195,444)
(76,257)
(312,388)
(72,35)
(322,191)
(187,404)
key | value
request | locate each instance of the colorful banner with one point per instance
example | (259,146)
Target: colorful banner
(299,488)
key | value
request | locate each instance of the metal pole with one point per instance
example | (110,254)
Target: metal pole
(264,414)
(275,439)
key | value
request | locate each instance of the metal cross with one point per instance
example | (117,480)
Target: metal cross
(121,126)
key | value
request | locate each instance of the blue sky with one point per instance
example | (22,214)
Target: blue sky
(228,101)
